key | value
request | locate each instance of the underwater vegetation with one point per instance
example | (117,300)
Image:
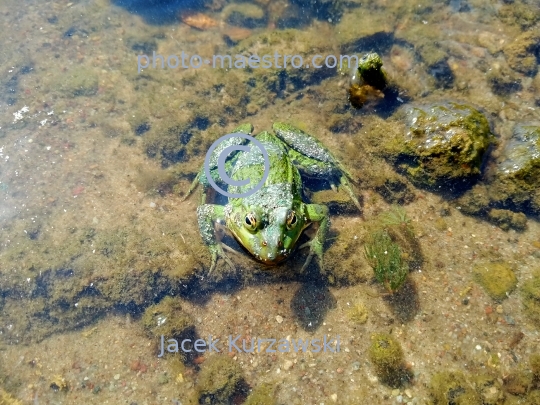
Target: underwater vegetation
(168,319)
(391,248)
(530,293)
(498,279)
(387,357)
(262,395)
(218,380)
(384,256)
(520,386)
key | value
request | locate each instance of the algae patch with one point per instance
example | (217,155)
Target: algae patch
(530,293)
(387,357)
(498,279)
(218,380)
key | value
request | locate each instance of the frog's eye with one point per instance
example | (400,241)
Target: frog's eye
(291,220)
(250,222)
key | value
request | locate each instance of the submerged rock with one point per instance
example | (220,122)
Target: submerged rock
(517,177)
(219,378)
(444,145)
(523,52)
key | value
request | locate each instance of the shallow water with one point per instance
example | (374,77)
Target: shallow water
(97,154)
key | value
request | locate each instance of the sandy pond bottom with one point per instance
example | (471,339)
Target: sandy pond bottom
(447,322)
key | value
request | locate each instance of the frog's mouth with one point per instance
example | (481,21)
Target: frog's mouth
(263,255)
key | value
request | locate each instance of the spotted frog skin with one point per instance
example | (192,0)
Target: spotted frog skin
(269,222)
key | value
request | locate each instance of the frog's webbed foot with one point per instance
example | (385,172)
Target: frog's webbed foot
(344,182)
(218,252)
(207,216)
(316,213)
(315,248)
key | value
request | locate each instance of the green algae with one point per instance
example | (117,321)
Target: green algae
(453,388)
(219,378)
(475,201)
(506,219)
(78,81)
(384,256)
(370,71)
(262,395)
(456,387)
(387,357)
(530,295)
(497,279)
(167,318)
(358,313)
(519,13)
(7,399)
(521,54)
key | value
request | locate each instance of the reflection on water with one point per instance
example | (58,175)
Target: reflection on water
(96,241)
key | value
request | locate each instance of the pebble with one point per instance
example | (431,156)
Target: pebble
(499,309)
(279,319)
(395,393)
(333,397)
(399,399)
(116,376)
(478,347)
(408,393)
(356,366)
(152,205)
(287,365)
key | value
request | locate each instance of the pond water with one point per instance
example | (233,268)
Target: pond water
(429,290)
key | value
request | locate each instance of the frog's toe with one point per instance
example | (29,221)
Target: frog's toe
(216,254)
(314,250)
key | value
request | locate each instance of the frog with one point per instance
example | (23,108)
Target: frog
(269,222)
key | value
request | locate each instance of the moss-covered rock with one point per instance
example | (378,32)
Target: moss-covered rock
(498,279)
(387,357)
(516,182)
(475,201)
(530,292)
(522,54)
(220,376)
(443,145)
(452,387)
(507,219)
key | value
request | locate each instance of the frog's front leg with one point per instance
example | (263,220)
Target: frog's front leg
(317,213)
(207,215)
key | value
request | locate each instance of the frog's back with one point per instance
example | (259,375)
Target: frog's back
(283,184)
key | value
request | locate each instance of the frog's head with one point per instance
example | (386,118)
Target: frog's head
(270,237)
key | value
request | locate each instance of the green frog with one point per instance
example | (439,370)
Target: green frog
(269,222)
